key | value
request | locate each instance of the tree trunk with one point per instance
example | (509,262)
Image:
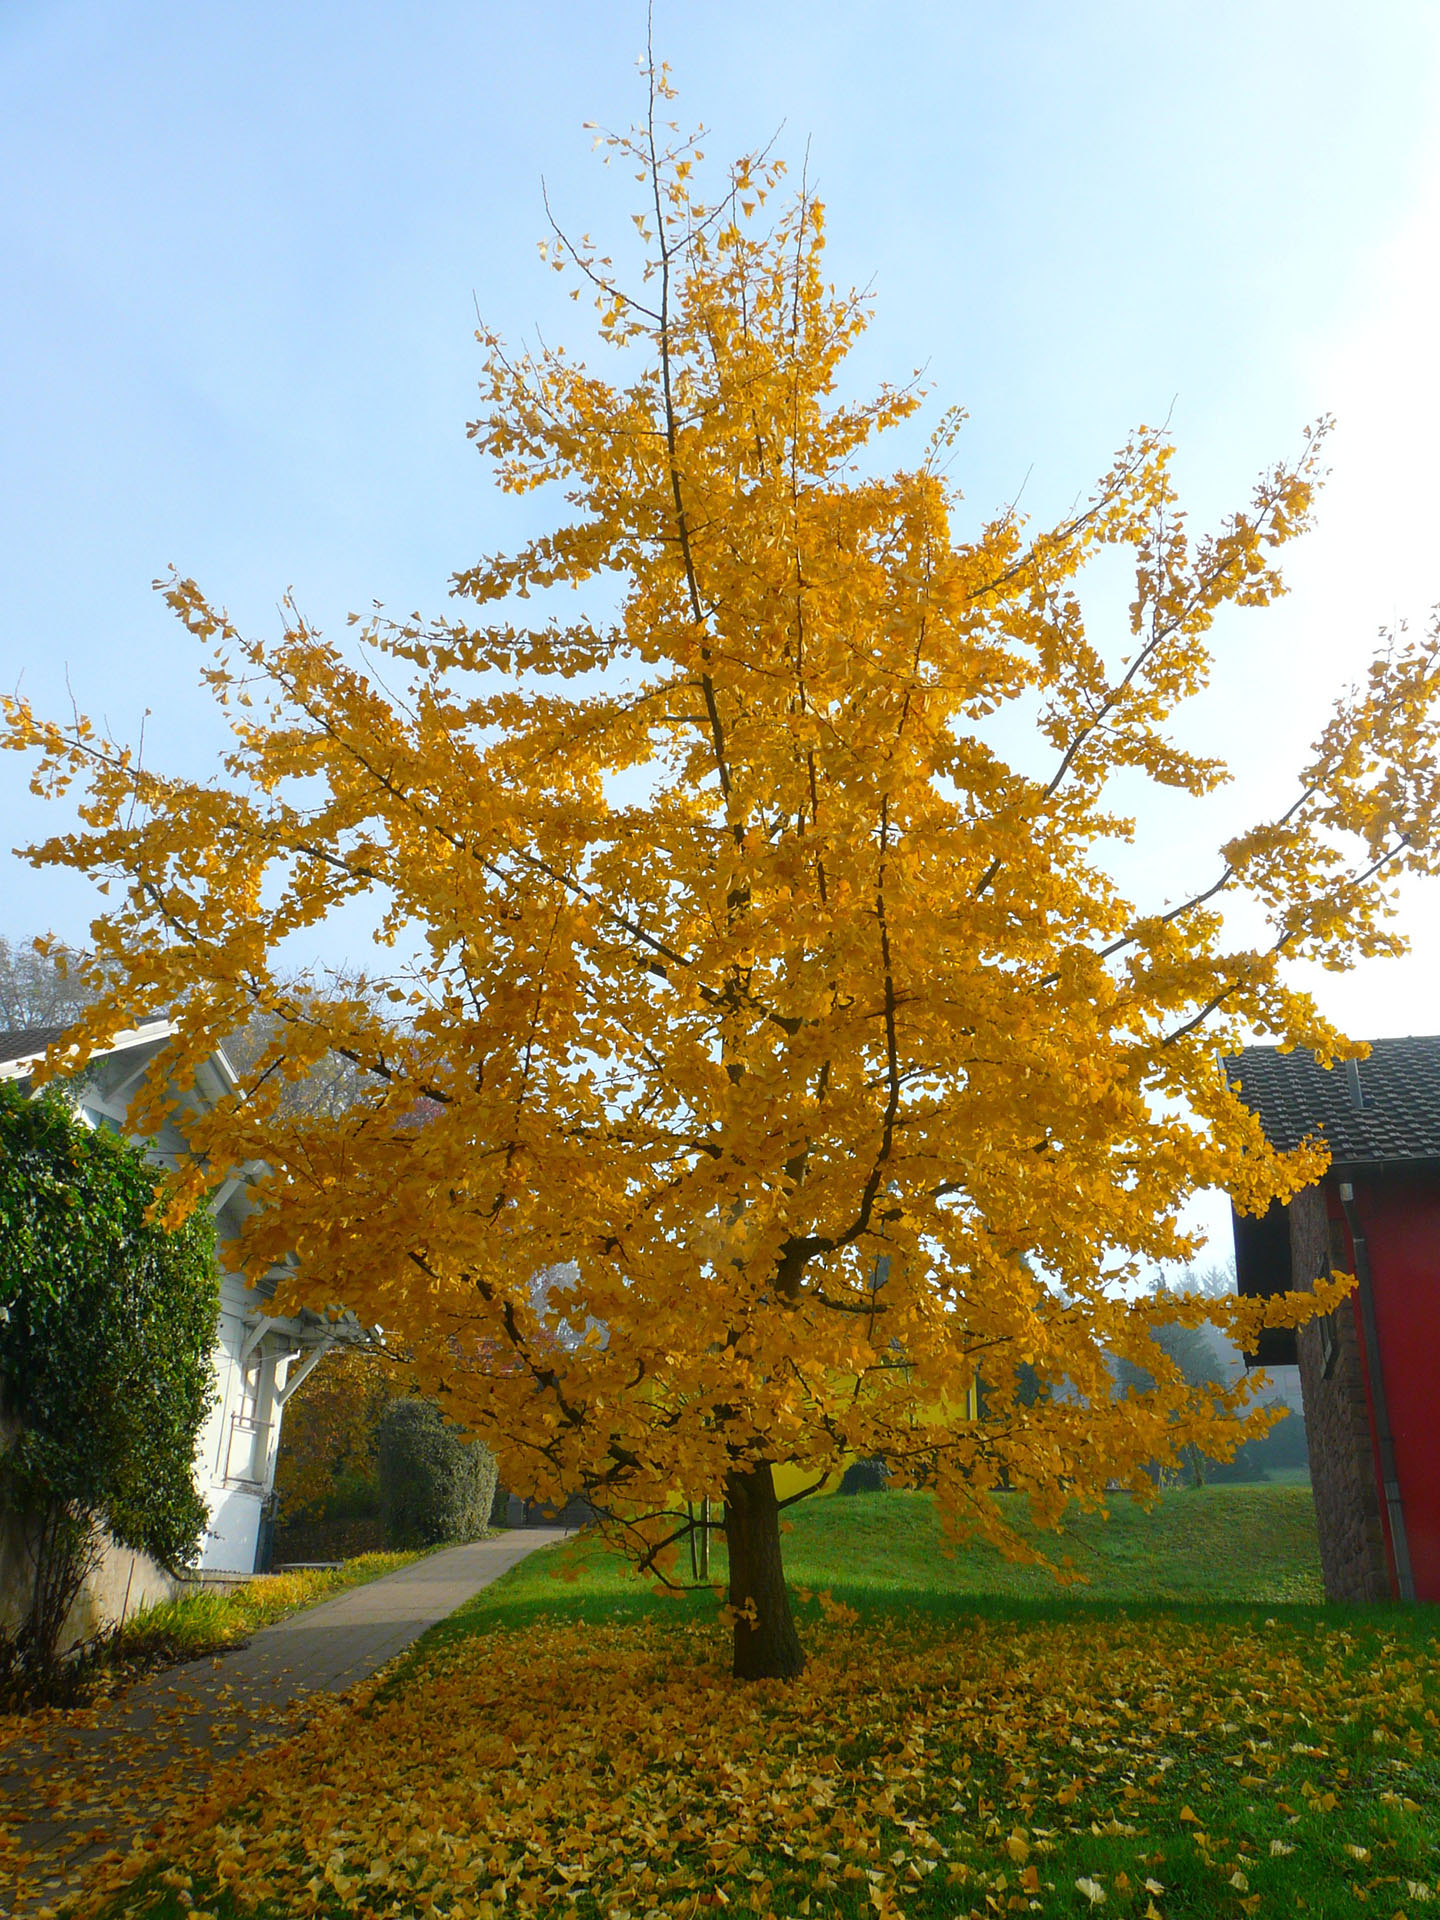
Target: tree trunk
(767,1646)
(64,1551)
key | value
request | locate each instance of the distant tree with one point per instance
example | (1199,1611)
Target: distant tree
(107,1319)
(1199,1355)
(1211,1282)
(865,1476)
(331,1429)
(328,1085)
(1030,1389)
(39,989)
(1192,1354)
(1285,1447)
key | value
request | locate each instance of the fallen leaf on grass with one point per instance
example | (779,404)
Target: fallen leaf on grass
(631,1765)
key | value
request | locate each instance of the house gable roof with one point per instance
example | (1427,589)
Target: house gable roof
(24,1047)
(1384,1111)
(27,1043)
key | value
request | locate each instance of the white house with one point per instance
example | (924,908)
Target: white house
(260,1358)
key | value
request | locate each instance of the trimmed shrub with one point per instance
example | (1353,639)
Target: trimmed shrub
(865,1476)
(434,1484)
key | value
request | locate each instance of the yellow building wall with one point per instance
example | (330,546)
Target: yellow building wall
(791,1480)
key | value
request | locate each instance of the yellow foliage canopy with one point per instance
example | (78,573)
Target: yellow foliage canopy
(799,1042)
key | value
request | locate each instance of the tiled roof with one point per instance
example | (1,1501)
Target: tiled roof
(27,1043)
(1383,1109)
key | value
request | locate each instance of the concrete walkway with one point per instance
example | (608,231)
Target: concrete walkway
(74,1792)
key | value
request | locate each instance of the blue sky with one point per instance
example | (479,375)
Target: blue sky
(244,247)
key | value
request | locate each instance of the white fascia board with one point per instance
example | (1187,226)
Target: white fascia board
(219,1062)
(220,1075)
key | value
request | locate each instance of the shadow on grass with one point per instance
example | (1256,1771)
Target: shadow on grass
(506,1614)
(1212,1555)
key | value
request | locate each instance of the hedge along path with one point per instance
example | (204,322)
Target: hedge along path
(1156,1764)
(86,1786)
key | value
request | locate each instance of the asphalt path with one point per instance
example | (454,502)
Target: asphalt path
(86,1784)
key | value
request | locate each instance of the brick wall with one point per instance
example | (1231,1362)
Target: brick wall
(1337,1420)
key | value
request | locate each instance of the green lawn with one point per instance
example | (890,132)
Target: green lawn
(887,1550)
(1194,1736)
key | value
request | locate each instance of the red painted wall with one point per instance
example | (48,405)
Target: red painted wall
(1399,1215)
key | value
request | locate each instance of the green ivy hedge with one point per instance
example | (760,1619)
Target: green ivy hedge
(107,1322)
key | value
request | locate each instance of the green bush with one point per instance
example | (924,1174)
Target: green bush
(107,1320)
(865,1476)
(354,1496)
(434,1484)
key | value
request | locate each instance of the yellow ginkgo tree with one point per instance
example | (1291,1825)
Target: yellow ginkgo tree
(765,1055)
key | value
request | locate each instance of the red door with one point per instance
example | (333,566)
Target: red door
(1400,1217)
